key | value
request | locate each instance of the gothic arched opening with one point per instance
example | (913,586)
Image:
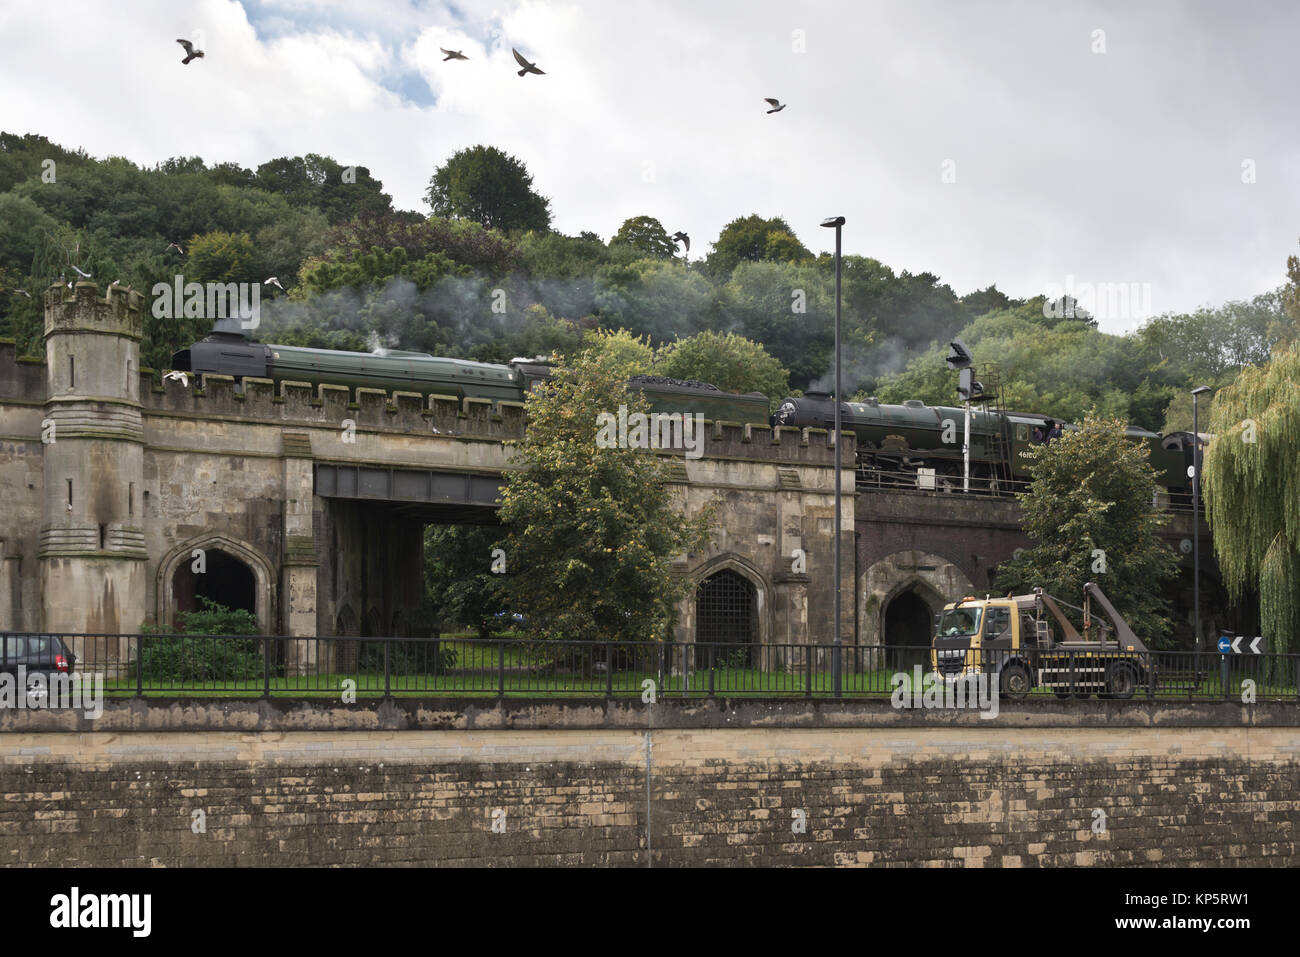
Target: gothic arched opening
(909,624)
(224,579)
(726,614)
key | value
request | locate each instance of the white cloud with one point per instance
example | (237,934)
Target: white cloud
(1117,167)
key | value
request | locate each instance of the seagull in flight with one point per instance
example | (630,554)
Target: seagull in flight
(176,247)
(190,52)
(83,275)
(23,292)
(273,282)
(453,55)
(681,237)
(527,67)
(180,377)
(777,105)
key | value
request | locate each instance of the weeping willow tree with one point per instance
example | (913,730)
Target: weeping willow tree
(1251,483)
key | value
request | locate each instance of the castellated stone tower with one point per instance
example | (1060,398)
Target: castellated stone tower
(92,546)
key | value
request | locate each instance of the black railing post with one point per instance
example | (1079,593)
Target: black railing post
(609,671)
(713,658)
(501,667)
(139,666)
(1223,675)
(266,667)
(388,671)
(807,670)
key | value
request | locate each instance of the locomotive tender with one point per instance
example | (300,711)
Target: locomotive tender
(890,438)
(228,353)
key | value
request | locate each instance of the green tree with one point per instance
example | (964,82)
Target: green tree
(460,585)
(731,362)
(489,187)
(1252,491)
(748,239)
(591,531)
(221,257)
(1090,518)
(626,354)
(660,298)
(646,235)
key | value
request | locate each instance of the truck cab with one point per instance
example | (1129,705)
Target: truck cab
(985,635)
(1026,641)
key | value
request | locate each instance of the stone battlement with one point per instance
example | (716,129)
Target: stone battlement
(211,395)
(83,309)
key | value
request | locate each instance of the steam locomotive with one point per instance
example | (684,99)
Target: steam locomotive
(912,436)
(892,439)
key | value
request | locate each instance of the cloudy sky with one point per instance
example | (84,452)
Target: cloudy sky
(1025,144)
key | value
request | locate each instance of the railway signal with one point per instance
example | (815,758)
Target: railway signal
(959,355)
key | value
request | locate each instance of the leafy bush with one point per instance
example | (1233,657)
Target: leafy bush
(218,658)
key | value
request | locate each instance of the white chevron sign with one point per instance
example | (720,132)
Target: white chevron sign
(1255,647)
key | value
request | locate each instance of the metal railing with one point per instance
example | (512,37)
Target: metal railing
(346,668)
(869,479)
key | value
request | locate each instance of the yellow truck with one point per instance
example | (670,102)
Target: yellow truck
(1026,641)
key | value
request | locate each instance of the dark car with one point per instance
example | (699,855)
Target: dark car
(36,654)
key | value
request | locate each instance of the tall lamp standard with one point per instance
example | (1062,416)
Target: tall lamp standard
(1196,519)
(837,223)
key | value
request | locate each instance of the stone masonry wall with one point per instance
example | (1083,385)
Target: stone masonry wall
(934,796)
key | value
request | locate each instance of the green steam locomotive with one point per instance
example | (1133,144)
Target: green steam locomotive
(899,440)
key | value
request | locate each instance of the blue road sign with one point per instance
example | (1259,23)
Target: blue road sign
(1225,644)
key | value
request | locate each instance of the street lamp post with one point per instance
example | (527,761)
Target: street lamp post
(837,223)
(1196,520)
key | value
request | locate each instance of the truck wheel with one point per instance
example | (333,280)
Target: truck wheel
(1120,681)
(1015,683)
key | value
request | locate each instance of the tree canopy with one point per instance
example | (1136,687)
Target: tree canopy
(646,235)
(591,532)
(490,187)
(1251,482)
(1090,517)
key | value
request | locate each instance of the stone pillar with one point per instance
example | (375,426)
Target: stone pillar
(11,596)
(93,575)
(299,565)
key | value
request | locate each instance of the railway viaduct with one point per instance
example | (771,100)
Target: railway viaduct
(127,497)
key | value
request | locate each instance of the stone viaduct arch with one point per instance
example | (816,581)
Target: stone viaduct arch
(182,556)
(922,579)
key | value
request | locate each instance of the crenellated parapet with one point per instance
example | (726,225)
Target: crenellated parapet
(83,310)
(301,403)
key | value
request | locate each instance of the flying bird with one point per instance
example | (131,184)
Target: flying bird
(453,55)
(777,105)
(527,67)
(190,52)
(83,275)
(176,247)
(273,282)
(23,292)
(180,377)
(681,237)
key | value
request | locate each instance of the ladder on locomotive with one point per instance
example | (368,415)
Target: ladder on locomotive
(1001,441)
